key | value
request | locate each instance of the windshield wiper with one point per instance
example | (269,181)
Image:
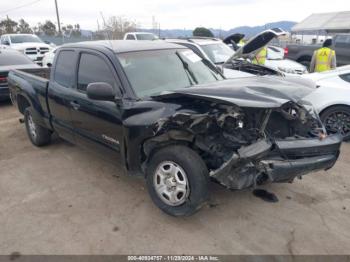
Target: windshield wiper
(187,68)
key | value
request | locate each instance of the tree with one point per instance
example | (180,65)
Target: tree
(202,31)
(48,28)
(23,27)
(70,30)
(117,26)
(8,26)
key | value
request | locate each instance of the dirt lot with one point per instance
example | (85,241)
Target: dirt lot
(63,200)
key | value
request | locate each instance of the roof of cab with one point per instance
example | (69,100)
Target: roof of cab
(194,40)
(123,46)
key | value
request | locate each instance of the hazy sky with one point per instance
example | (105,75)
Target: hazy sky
(172,14)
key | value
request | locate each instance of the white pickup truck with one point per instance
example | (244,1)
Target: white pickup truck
(28,44)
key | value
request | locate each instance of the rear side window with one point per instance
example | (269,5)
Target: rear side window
(65,68)
(93,69)
(342,41)
(130,37)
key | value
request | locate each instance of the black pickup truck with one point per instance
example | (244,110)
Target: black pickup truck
(171,117)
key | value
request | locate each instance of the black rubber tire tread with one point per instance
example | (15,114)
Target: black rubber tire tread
(43,136)
(340,108)
(197,175)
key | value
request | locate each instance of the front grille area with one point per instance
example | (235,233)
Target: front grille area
(36,50)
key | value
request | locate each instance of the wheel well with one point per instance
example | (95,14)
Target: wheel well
(304,58)
(22,103)
(172,137)
(332,106)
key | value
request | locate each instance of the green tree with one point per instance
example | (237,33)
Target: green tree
(8,26)
(23,27)
(48,28)
(202,31)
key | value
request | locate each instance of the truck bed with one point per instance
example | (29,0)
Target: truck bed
(37,72)
(32,84)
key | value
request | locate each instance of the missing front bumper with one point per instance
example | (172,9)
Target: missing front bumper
(279,162)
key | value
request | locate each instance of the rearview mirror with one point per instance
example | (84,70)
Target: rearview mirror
(100,91)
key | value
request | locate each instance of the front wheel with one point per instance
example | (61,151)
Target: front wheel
(177,180)
(337,120)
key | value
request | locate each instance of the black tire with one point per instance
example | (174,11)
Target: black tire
(42,135)
(195,171)
(343,112)
(305,63)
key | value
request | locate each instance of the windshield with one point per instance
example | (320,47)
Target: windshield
(218,53)
(146,37)
(16,39)
(153,72)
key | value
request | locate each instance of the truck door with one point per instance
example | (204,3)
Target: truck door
(98,124)
(61,86)
(342,49)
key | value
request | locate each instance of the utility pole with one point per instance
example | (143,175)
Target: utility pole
(58,18)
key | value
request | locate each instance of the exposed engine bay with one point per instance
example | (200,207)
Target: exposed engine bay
(248,67)
(244,147)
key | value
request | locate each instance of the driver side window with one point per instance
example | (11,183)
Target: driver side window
(93,68)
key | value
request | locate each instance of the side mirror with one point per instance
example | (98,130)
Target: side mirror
(6,42)
(100,91)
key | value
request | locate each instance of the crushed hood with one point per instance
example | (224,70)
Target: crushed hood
(256,43)
(256,92)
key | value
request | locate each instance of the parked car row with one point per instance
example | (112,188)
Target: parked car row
(11,59)
(168,114)
(28,44)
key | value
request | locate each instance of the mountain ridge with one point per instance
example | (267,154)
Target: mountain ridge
(249,31)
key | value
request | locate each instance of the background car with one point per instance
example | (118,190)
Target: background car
(332,99)
(48,58)
(303,53)
(140,36)
(220,53)
(11,59)
(276,59)
(28,44)
(275,56)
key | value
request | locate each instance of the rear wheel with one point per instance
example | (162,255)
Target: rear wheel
(177,180)
(305,63)
(337,120)
(37,134)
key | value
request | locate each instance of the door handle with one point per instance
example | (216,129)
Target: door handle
(75,105)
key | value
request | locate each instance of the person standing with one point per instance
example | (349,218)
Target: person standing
(260,57)
(324,58)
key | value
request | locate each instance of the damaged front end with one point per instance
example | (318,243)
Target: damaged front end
(246,146)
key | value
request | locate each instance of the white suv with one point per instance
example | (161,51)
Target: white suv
(28,44)
(140,36)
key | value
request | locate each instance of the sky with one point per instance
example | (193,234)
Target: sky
(174,14)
